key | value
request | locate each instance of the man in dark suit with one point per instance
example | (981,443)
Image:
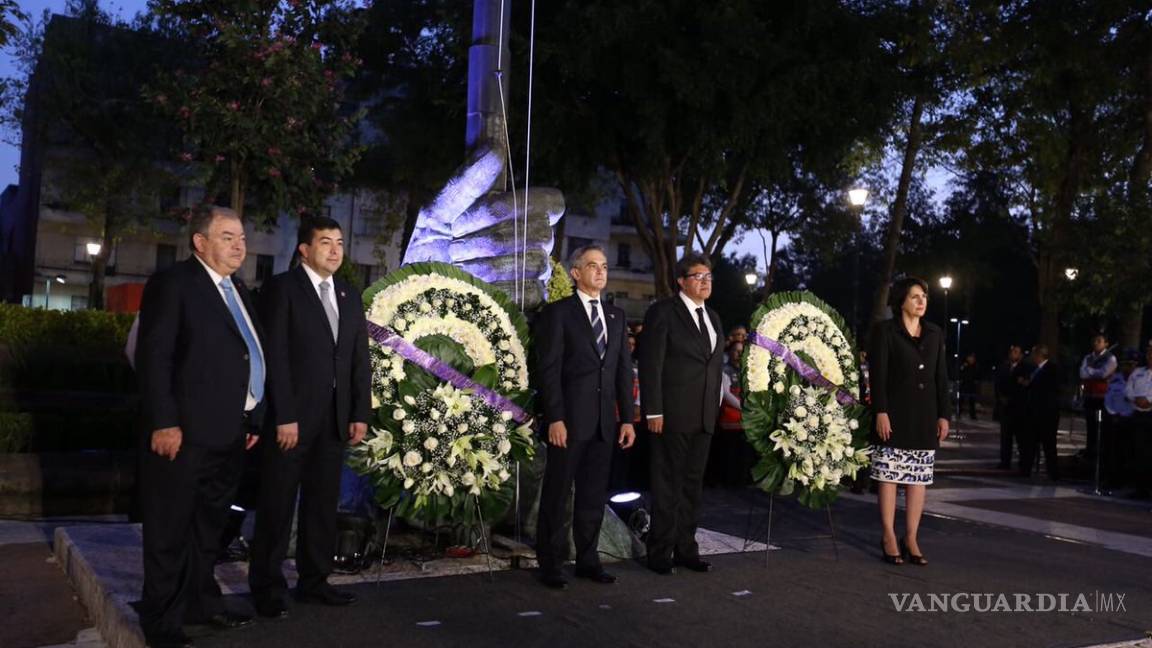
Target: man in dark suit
(680,374)
(586,388)
(1043,395)
(1009,403)
(319,382)
(201,370)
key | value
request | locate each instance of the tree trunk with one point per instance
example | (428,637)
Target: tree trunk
(770,258)
(1131,325)
(237,192)
(96,286)
(900,207)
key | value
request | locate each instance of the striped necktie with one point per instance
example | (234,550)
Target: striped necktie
(598,328)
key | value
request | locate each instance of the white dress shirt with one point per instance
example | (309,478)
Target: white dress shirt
(584,299)
(1139,386)
(250,403)
(692,306)
(316,279)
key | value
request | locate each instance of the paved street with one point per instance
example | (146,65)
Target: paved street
(986,534)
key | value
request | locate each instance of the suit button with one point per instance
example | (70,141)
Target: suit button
(920,367)
(921,385)
(245,356)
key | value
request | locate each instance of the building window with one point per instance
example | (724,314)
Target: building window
(365,274)
(264,268)
(621,294)
(79,302)
(165,256)
(623,255)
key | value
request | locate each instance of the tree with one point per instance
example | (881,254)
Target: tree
(924,38)
(102,140)
(1042,111)
(259,98)
(691,104)
(414,85)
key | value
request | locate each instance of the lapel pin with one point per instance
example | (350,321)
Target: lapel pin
(342,295)
(611,316)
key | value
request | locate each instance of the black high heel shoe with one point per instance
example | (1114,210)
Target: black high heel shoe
(919,561)
(891,559)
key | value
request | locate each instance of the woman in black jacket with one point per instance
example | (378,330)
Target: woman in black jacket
(910,400)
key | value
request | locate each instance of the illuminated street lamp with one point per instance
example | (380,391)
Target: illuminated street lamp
(1071,273)
(94,248)
(751,278)
(857,198)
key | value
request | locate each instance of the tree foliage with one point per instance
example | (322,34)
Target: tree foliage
(259,98)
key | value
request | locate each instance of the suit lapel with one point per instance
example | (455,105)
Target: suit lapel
(690,324)
(716,327)
(211,293)
(312,298)
(576,307)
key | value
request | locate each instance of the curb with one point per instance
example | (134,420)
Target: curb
(113,617)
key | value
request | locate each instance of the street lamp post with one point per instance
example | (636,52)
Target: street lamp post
(857,197)
(48,287)
(960,323)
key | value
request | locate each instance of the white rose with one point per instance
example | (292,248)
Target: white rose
(431,443)
(413,459)
(506,416)
(794,390)
(778,388)
(853,424)
(462,428)
(408,427)
(399,414)
(813,422)
(801,412)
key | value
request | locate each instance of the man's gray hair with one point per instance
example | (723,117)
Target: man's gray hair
(202,219)
(579,253)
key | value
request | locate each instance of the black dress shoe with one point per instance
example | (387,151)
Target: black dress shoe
(271,609)
(326,595)
(695,565)
(664,569)
(554,580)
(227,620)
(596,575)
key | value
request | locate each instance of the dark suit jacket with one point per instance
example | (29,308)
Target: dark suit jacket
(909,382)
(304,362)
(576,385)
(679,377)
(1044,391)
(191,358)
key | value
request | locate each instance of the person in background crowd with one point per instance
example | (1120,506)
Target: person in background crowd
(738,334)
(1095,370)
(1043,396)
(1115,435)
(1138,391)
(726,463)
(969,385)
(1009,401)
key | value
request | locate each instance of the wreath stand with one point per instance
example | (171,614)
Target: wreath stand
(751,532)
(477,527)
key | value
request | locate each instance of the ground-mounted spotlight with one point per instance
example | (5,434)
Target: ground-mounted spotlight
(630,507)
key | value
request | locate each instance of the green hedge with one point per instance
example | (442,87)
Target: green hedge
(16,432)
(64,350)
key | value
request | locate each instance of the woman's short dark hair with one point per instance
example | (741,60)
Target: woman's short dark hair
(899,292)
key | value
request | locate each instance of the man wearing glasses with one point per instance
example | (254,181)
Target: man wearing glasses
(680,374)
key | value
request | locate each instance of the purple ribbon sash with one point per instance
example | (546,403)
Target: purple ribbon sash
(807,372)
(442,370)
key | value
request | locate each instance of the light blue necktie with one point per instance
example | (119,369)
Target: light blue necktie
(255,360)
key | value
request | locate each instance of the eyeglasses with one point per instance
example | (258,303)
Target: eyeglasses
(700,276)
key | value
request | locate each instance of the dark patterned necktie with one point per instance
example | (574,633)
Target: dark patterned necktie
(598,328)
